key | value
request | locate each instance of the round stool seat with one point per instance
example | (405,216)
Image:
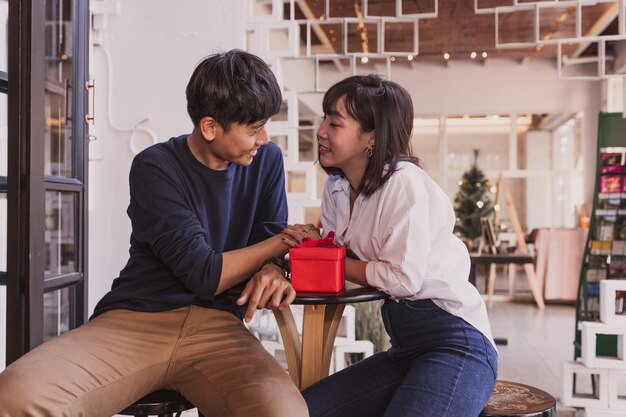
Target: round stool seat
(158,402)
(510,399)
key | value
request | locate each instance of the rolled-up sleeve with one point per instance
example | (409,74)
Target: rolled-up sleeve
(402,239)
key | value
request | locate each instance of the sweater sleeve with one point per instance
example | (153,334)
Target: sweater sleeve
(270,216)
(164,222)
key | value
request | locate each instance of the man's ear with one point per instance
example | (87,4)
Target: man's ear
(208,128)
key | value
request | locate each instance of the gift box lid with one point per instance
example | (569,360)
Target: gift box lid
(317,253)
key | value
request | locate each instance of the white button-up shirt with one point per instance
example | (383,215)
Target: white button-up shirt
(405,233)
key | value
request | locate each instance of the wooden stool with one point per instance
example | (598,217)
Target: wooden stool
(510,399)
(163,403)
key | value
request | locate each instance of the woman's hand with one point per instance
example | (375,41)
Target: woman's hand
(295,233)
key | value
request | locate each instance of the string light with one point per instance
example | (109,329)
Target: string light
(556,25)
(473,55)
(446,56)
(484,54)
(362,29)
(480,204)
(410,57)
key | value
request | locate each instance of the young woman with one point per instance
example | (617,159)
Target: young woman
(398,223)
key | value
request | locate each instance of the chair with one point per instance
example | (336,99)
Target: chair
(511,399)
(162,403)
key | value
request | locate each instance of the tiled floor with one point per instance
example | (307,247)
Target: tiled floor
(538,344)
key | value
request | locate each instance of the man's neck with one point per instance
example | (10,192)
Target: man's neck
(201,150)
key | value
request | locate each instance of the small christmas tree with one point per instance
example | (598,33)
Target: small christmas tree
(472,202)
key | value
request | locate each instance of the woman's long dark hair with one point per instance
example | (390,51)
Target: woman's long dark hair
(383,106)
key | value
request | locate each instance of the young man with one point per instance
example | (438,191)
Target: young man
(207,210)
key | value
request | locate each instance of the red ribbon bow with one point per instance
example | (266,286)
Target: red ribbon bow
(326,242)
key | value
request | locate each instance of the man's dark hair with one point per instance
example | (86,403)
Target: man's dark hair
(381,105)
(232,87)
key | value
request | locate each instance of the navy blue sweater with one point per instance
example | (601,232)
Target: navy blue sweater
(184,215)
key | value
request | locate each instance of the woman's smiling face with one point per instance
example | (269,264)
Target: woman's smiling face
(341,141)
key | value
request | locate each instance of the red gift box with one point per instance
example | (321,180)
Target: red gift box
(318,265)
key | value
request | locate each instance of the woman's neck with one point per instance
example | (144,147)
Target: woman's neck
(354,178)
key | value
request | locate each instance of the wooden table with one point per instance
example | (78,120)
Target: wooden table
(506,258)
(490,259)
(308,358)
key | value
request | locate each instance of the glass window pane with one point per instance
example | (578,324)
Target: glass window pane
(56,313)
(61,232)
(59,84)
(3,140)
(4,26)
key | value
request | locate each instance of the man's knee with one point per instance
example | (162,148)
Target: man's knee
(20,395)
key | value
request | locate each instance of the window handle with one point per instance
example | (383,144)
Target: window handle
(91,116)
(68,87)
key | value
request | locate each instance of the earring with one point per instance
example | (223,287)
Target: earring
(369,152)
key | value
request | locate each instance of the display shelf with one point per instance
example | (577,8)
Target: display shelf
(605,251)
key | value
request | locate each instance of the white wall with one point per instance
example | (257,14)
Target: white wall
(153,48)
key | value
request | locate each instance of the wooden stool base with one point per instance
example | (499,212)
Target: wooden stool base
(510,399)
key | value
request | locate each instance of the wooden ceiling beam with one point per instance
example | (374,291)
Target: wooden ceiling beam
(598,27)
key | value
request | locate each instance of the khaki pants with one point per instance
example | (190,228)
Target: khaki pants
(111,361)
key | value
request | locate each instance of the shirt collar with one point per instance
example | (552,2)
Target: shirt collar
(342,185)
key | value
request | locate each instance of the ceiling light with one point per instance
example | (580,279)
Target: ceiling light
(473,55)
(410,57)
(446,56)
(484,54)
(364,60)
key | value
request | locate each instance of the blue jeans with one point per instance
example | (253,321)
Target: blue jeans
(438,366)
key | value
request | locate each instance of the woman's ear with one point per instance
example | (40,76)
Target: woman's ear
(370,141)
(208,128)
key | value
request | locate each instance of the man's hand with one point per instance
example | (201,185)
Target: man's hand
(268,288)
